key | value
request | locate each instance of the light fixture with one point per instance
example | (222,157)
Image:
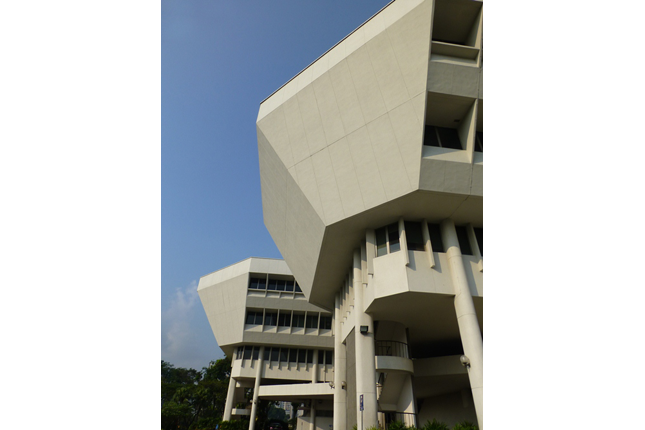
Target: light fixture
(465,361)
(364,329)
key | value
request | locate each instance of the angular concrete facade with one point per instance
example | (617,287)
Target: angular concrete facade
(342,143)
(371,165)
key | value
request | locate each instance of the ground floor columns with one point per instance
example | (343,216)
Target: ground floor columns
(364,348)
(312,412)
(230,396)
(340,360)
(256,388)
(469,330)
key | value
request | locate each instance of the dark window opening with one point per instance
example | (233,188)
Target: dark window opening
(321,356)
(479,234)
(284,320)
(254,317)
(273,285)
(248,352)
(312,320)
(275,354)
(464,243)
(298,290)
(329,357)
(393,237)
(281,285)
(325,322)
(302,355)
(479,141)
(270,318)
(267,352)
(381,242)
(289,285)
(298,320)
(310,356)
(442,137)
(414,236)
(256,352)
(240,352)
(435,238)
(284,354)
(257,284)
(293,355)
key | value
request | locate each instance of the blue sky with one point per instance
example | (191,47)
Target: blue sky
(219,60)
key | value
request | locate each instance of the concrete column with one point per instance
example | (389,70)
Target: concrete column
(314,372)
(312,411)
(230,396)
(364,347)
(256,388)
(340,360)
(471,337)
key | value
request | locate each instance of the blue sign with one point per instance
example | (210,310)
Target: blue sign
(361,402)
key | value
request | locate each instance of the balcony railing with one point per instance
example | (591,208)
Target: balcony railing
(392,348)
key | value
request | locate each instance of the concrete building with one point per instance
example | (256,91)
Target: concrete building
(371,162)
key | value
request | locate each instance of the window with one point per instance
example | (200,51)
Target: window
(414,236)
(442,137)
(381,242)
(479,234)
(275,354)
(435,237)
(310,356)
(325,322)
(284,354)
(479,141)
(302,355)
(267,353)
(248,351)
(321,356)
(298,320)
(329,357)
(289,286)
(312,320)
(464,243)
(284,320)
(298,290)
(256,283)
(256,352)
(273,284)
(387,235)
(270,318)
(240,352)
(293,355)
(393,237)
(253,317)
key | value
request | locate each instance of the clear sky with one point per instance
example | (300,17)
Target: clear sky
(219,60)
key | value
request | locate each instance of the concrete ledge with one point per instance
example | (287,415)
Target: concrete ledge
(386,363)
(291,390)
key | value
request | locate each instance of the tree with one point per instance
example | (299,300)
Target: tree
(192,399)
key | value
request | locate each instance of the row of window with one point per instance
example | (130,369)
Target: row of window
(256,283)
(443,137)
(387,238)
(287,355)
(286,318)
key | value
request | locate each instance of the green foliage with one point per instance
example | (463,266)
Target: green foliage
(435,425)
(192,399)
(465,426)
(234,425)
(397,425)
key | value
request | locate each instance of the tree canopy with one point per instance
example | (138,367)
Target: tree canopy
(192,399)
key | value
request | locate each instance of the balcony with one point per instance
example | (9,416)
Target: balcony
(393,356)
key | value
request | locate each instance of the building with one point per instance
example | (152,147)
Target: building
(371,162)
